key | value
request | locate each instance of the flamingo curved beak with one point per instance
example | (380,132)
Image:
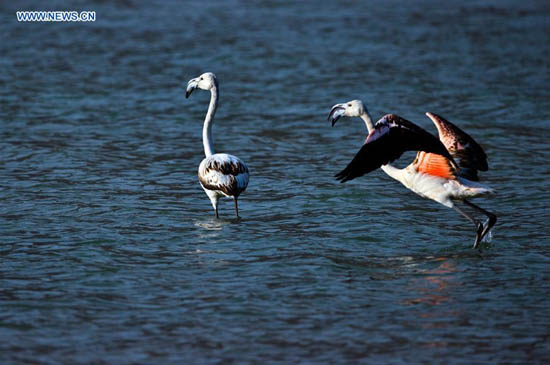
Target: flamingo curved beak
(336,112)
(191,85)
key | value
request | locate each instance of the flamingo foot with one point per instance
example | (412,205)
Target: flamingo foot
(479,234)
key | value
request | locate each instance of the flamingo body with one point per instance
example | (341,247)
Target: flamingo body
(223,175)
(440,188)
(220,174)
(435,173)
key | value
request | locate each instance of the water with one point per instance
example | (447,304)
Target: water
(109,249)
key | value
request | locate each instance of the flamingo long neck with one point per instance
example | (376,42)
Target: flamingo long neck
(368,120)
(207,140)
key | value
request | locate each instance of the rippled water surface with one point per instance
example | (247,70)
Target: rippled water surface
(110,252)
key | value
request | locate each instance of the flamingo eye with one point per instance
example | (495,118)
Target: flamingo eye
(201,78)
(349,104)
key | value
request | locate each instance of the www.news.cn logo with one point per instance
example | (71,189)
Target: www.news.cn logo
(55,16)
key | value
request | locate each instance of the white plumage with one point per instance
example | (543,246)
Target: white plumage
(442,190)
(220,174)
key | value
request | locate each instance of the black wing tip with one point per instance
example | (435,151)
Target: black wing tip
(346,179)
(468,173)
(342,177)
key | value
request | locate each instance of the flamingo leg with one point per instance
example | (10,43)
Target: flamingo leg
(492,218)
(478,224)
(216,208)
(236,207)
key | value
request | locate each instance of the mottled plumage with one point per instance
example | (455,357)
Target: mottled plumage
(470,156)
(224,173)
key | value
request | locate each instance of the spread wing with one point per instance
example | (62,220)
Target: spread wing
(470,156)
(390,138)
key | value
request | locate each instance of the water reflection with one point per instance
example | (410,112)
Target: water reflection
(209,228)
(435,290)
(435,285)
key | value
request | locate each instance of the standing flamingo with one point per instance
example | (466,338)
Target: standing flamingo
(433,174)
(220,174)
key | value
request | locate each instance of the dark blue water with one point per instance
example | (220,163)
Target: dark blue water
(109,249)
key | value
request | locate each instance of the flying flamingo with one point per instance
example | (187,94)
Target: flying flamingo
(220,174)
(433,174)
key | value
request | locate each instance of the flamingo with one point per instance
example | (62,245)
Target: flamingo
(220,174)
(433,174)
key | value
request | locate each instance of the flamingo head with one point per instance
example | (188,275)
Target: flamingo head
(206,81)
(353,108)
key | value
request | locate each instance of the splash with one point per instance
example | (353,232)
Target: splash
(210,225)
(489,236)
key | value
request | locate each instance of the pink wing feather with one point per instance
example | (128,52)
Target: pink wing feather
(465,150)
